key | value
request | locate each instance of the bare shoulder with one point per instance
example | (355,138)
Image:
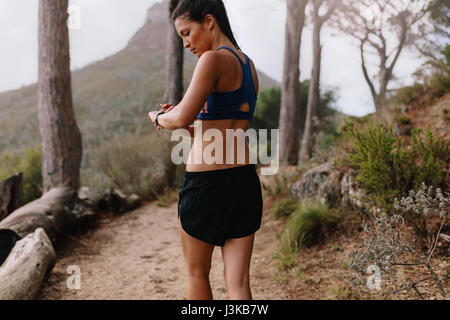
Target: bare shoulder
(209,58)
(207,66)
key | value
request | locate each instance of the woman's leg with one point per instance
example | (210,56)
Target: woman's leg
(236,255)
(197,255)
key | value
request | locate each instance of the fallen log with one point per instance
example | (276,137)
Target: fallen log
(26,267)
(57,211)
(11,195)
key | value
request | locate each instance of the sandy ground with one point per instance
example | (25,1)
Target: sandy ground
(138,256)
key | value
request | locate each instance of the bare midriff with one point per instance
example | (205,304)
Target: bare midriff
(199,145)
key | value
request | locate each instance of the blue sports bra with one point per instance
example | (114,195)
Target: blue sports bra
(226,105)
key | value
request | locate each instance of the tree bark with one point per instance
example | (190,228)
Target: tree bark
(312,110)
(55,212)
(290,88)
(61,138)
(26,267)
(174,75)
(174,61)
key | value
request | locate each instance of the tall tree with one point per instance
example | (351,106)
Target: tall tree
(61,138)
(174,74)
(376,24)
(312,111)
(290,120)
(174,60)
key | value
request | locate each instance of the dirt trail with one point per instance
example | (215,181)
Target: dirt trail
(138,256)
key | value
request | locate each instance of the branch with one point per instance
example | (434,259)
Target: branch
(437,238)
(366,74)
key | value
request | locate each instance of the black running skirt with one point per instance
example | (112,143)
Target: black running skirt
(222,204)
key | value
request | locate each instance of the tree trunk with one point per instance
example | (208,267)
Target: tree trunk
(290,88)
(26,267)
(313,95)
(61,138)
(55,212)
(174,61)
(174,75)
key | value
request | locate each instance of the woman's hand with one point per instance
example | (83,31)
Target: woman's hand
(152,114)
(166,107)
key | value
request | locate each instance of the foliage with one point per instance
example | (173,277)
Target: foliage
(305,226)
(432,81)
(390,243)
(285,207)
(386,166)
(268,105)
(132,165)
(404,120)
(31,166)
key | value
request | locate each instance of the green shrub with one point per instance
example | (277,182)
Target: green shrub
(31,166)
(404,120)
(135,164)
(285,207)
(305,226)
(407,94)
(387,167)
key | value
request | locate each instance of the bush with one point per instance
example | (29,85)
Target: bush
(407,94)
(386,167)
(404,120)
(30,165)
(305,226)
(391,244)
(135,164)
(285,207)
(434,82)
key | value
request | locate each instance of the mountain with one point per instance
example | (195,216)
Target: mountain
(111,97)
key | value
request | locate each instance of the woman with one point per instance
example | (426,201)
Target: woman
(221,202)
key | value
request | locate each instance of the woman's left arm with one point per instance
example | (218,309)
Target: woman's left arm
(203,81)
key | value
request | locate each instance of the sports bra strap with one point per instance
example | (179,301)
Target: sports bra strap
(240,60)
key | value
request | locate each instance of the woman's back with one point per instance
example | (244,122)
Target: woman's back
(231,80)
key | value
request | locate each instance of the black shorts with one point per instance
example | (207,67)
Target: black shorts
(222,204)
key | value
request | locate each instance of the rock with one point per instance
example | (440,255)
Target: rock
(89,200)
(134,201)
(117,202)
(319,182)
(351,194)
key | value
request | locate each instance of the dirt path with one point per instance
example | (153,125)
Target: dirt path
(138,256)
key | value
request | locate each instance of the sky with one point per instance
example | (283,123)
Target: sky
(258,26)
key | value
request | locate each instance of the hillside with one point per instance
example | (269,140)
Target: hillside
(111,97)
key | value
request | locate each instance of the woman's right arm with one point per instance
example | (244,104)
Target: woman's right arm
(190,129)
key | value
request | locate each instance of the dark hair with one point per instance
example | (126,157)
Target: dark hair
(196,10)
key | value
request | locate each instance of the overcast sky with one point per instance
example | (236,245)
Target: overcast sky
(107,25)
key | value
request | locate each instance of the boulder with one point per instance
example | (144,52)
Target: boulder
(320,182)
(116,201)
